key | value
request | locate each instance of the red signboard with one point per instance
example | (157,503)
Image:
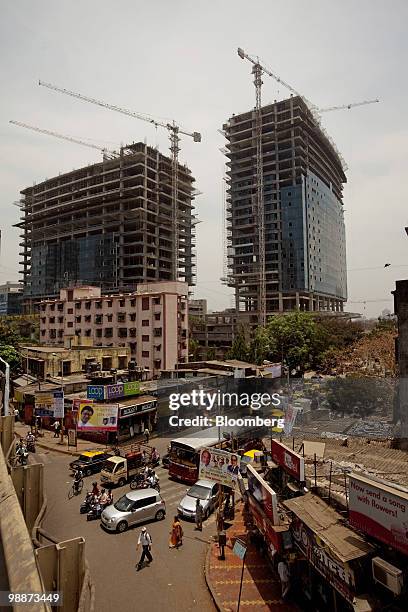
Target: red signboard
(291,462)
(380,511)
(264,525)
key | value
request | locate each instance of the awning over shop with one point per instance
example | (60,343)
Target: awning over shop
(326,523)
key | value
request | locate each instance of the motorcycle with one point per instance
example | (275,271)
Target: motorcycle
(31,446)
(145,484)
(95,512)
(22,455)
(87,503)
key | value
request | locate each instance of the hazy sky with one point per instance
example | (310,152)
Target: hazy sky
(178,59)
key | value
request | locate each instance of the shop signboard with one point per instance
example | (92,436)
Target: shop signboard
(96,392)
(131,388)
(319,555)
(97,417)
(380,511)
(50,403)
(263,494)
(126,411)
(290,462)
(220,466)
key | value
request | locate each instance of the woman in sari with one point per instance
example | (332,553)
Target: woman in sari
(176,534)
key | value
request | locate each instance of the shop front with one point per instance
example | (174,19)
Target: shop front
(332,562)
(135,415)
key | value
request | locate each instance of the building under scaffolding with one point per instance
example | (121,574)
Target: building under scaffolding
(304,238)
(108,224)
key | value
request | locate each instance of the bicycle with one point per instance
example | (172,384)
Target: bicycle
(76,488)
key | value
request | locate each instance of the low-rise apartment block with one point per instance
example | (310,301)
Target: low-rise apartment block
(152,321)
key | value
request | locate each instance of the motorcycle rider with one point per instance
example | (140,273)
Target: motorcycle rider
(153,480)
(155,456)
(104,498)
(78,476)
(30,440)
(95,490)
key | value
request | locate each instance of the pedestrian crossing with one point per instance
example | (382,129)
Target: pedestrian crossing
(173,491)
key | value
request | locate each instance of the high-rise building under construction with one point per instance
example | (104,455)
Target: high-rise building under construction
(110,224)
(304,234)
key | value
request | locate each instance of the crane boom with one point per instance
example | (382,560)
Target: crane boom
(347,106)
(174,135)
(195,135)
(63,137)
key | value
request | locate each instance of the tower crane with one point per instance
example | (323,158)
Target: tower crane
(106,153)
(258,70)
(174,135)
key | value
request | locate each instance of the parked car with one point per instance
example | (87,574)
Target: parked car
(204,490)
(90,462)
(132,508)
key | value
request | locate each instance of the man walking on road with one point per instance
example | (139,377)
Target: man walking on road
(146,434)
(283,572)
(145,540)
(199,515)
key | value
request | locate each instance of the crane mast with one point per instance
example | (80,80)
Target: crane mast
(259,190)
(174,135)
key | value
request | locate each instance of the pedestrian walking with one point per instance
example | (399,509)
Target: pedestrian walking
(146,434)
(57,429)
(283,572)
(176,534)
(199,515)
(145,540)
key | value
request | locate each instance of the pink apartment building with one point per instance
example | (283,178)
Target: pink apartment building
(152,321)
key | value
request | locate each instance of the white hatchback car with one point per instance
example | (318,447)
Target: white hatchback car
(204,490)
(132,508)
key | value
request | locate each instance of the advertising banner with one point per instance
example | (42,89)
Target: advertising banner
(291,462)
(263,494)
(96,392)
(220,466)
(380,511)
(97,417)
(337,573)
(50,403)
(290,418)
(107,392)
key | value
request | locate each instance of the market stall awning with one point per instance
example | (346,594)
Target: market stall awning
(326,523)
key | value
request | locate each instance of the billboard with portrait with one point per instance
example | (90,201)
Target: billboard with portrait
(263,494)
(97,417)
(220,466)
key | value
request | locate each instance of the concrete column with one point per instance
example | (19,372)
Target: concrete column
(280,302)
(311,302)
(297,300)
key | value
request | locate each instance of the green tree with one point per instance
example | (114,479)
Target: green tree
(239,349)
(259,346)
(11,355)
(296,339)
(193,346)
(360,395)
(211,354)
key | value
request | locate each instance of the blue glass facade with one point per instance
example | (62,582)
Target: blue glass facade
(89,259)
(313,239)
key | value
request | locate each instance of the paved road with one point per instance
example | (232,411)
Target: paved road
(175,579)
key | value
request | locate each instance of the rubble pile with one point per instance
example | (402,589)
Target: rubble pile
(372,355)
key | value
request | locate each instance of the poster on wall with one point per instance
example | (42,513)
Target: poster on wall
(97,417)
(49,403)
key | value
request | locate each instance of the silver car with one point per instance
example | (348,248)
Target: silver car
(132,508)
(204,490)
